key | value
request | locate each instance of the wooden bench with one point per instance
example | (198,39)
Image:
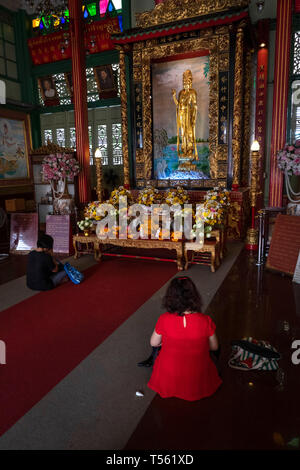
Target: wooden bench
(212,247)
(86,240)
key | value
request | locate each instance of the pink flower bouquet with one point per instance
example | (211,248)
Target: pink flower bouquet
(288,159)
(59,167)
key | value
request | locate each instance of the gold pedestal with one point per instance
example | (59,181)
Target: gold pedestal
(186,166)
(252,238)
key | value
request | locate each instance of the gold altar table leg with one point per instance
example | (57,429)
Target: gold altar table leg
(186,260)
(179,251)
(213,259)
(76,255)
(97,252)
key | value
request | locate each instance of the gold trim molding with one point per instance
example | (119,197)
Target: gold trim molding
(124,118)
(50,149)
(237,105)
(178,10)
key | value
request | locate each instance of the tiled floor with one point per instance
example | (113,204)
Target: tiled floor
(251,410)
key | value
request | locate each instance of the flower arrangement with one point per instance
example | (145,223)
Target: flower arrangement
(85,224)
(59,166)
(149,196)
(212,213)
(177,196)
(288,159)
(90,211)
(218,194)
(117,193)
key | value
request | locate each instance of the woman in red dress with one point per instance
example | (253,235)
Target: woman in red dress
(183,368)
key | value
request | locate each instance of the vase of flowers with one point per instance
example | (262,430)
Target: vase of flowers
(86,225)
(57,169)
(288,160)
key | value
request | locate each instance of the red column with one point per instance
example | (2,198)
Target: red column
(261,94)
(280,97)
(80,98)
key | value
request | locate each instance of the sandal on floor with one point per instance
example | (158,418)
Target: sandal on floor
(73,273)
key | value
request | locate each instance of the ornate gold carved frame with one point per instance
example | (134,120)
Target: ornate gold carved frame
(216,41)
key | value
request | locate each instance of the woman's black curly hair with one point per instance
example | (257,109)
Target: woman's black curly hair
(182,296)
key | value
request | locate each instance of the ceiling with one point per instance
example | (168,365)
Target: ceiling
(269,10)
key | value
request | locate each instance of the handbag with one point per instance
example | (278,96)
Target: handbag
(75,276)
(251,354)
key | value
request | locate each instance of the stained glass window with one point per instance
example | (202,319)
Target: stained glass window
(91,11)
(117,4)
(102,142)
(103,6)
(117,144)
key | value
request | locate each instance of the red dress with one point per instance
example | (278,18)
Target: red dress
(183,368)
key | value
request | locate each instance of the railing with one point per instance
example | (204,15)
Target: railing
(263,230)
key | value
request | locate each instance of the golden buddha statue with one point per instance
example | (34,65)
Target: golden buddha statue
(186,115)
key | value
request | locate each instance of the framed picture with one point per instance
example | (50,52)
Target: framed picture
(69,82)
(15,144)
(48,89)
(168,76)
(105,80)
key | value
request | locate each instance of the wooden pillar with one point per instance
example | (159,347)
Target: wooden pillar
(247,117)
(261,96)
(280,97)
(124,117)
(238,108)
(80,99)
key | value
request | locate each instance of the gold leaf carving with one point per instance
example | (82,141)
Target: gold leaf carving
(237,106)
(142,58)
(172,10)
(124,118)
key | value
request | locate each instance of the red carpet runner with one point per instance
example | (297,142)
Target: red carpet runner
(49,334)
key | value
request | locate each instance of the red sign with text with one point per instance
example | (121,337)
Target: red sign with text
(54,47)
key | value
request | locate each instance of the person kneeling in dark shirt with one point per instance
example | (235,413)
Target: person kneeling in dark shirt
(43,271)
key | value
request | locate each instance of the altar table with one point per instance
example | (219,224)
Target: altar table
(146,244)
(212,247)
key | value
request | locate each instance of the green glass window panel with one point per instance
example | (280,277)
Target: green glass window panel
(11,69)
(92,9)
(46,21)
(8,33)
(13,90)
(2,67)
(10,51)
(67,14)
(1,48)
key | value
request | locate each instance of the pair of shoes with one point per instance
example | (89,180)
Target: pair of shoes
(73,273)
(147,363)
